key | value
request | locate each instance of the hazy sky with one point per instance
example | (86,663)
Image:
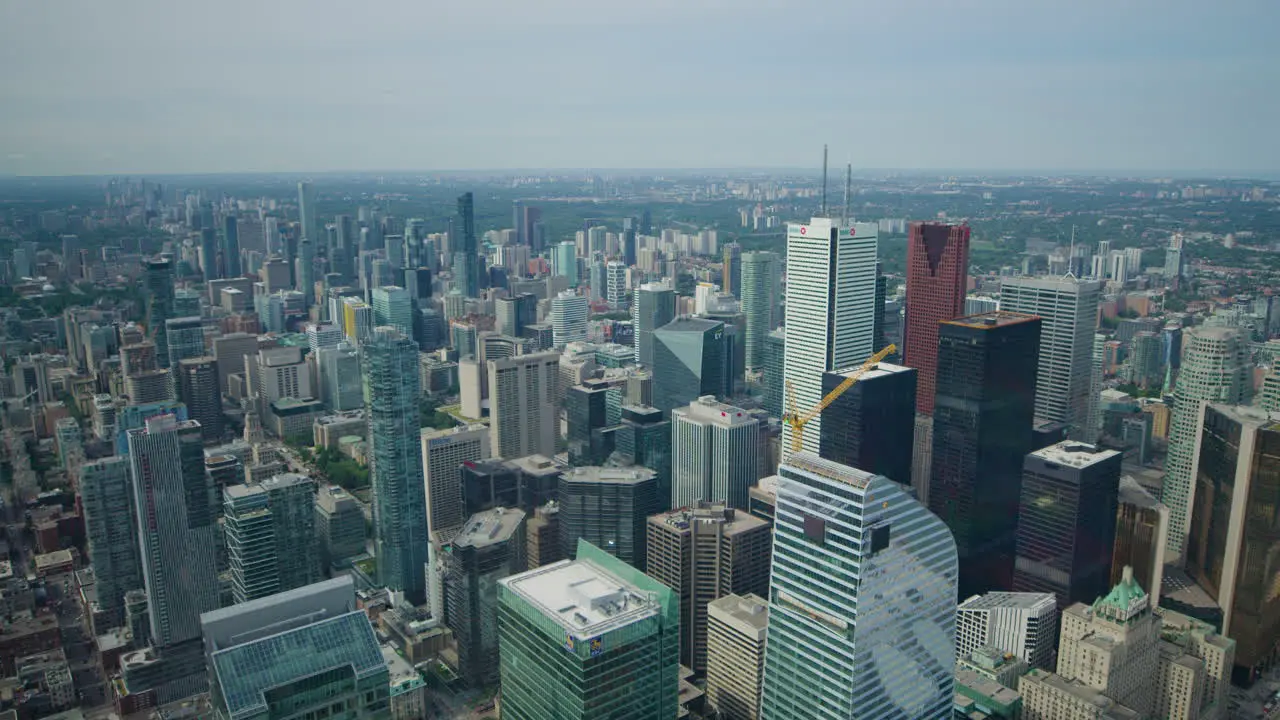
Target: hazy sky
(145,86)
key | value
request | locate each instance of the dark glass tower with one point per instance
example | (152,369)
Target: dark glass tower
(586,410)
(775,353)
(230,247)
(982,422)
(210,264)
(871,426)
(159,279)
(609,508)
(466,259)
(644,438)
(690,359)
(1067,522)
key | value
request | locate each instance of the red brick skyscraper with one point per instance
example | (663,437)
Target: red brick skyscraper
(937,273)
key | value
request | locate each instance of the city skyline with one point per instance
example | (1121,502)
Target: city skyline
(1041,87)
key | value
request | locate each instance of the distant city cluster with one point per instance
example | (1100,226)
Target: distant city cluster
(695,446)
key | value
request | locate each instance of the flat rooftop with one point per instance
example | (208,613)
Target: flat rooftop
(617,475)
(1019,600)
(489,527)
(584,598)
(1074,454)
(749,610)
(812,463)
(986,321)
(880,369)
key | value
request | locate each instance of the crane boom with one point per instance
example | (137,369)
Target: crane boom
(798,421)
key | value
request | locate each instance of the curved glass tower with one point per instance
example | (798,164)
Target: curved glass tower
(863,600)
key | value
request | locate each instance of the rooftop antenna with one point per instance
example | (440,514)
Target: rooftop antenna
(1071,255)
(848,180)
(824,181)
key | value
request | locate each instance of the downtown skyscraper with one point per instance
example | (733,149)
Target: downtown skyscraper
(863,600)
(831,283)
(654,306)
(466,260)
(982,423)
(937,279)
(307,212)
(1215,368)
(177,526)
(1068,310)
(391,391)
(761,291)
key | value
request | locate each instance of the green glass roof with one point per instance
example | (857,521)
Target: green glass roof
(245,672)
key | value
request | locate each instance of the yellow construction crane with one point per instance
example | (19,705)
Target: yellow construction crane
(798,421)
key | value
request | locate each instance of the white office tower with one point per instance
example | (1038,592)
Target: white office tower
(177,526)
(863,603)
(1022,624)
(715,454)
(443,452)
(569,313)
(831,307)
(321,335)
(522,405)
(615,274)
(1068,310)
(1119,267)
(1215,368)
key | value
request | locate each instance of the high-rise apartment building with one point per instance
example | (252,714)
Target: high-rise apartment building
(1067,521)
(490,547)
(1215,368)
(761,295)
(850,548)
(830,313)
(705,552)
(106,499)
(982,422)
(391,390)
(1024,625)
(443,451)
(357,320)
(1236,464)
(569,312)
(1068,311)
(158,276)
(564,262)
(736,630)
(557,624)
(715,454)
(230,250)
(691,358)
(271,536)
(523,405)
(198,389)
(608,507)
(307,211)
(937,281)
(466,253)
(871,426)
(1142,530)
(176,526)
(653,307)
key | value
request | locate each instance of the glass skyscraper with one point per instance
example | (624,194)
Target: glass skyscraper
(391,390)
(690,359)
(863,600)
(466,259)
(588,639)
(653,307)
(760,293)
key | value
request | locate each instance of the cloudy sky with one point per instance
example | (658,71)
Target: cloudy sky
(310,85)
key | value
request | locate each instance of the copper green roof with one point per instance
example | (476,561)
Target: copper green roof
(1122,595)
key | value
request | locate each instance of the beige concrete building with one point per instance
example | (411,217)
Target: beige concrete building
(736,630)
(1192,645)
(1048,696)
(1112,645)
(704,553)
